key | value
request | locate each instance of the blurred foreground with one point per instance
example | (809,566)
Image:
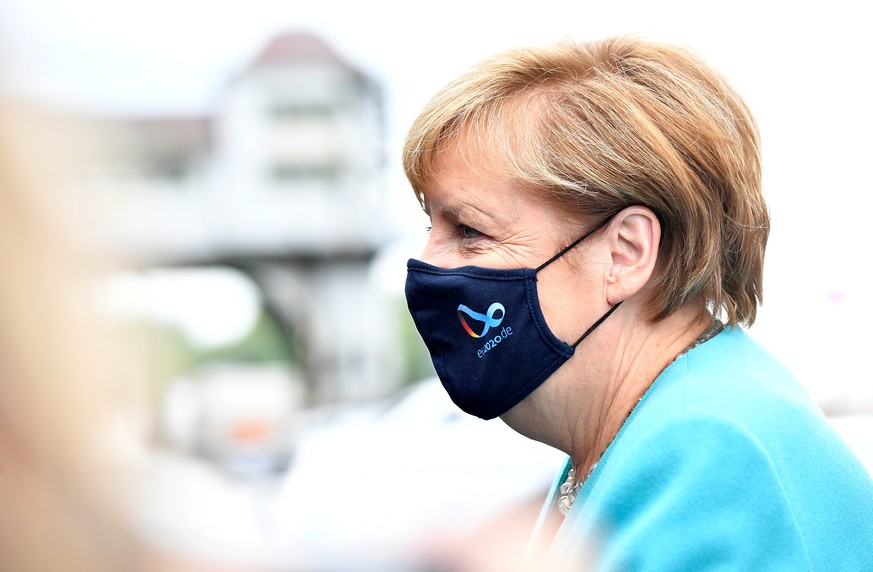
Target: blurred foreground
(392,485)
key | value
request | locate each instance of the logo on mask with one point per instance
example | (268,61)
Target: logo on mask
(487,318)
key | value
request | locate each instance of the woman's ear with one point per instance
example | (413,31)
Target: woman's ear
(634,236)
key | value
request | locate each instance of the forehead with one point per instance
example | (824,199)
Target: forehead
(462,174)
(458,149)
(471,189)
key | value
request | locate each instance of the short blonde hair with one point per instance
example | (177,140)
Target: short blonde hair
(597,127)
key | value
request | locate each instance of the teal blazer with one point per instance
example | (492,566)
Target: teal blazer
(725,464)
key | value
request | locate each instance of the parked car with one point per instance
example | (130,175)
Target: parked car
(239,416)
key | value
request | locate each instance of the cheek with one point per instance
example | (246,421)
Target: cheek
(437,252)
(569,303)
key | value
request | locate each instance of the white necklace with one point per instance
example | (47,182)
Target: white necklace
(569,489)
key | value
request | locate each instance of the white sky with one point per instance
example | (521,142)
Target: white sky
(801,66)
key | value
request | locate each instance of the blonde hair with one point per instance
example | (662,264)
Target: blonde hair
(597,127)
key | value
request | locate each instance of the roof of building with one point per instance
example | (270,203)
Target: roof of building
(191,135)
(299,47)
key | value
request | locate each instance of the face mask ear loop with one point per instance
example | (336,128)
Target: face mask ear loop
(597,323)
(573,244)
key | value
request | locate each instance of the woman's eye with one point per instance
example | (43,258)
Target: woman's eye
(467,232)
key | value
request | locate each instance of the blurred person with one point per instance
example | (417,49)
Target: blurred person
(62,478)
(55,485)
(597,243)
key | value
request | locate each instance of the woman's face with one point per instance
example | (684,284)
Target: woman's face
(491,222)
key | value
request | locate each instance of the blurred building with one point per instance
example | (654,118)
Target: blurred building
(283,181)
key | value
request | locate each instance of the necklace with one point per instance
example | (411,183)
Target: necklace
(569,490)
(713,330)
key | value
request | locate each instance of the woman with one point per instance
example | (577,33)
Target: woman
(598,236)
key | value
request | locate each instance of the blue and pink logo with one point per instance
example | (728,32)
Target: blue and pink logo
(487,318)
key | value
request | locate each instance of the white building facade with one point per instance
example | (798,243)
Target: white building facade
(285,182)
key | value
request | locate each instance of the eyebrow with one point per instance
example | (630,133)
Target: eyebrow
(489,223)
(459,209)
(452,209)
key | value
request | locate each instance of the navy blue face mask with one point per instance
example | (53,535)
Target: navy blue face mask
(485,332)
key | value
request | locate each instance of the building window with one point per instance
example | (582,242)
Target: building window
(292,110)
(167,167)
(290,172)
